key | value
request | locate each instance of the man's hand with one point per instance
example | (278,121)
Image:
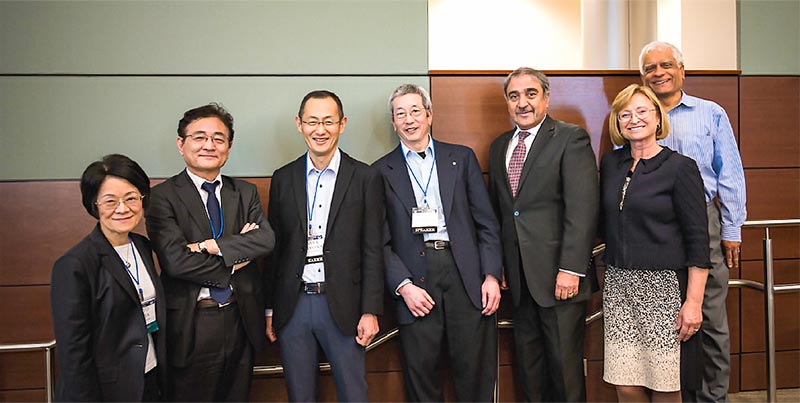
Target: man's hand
(367,329)
(490,295)
(566,285)
(270,331)
(418,301)
(732,251)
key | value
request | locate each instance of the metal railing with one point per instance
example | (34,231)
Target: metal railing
(768,287)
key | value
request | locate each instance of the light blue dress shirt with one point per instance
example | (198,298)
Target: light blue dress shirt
(318,211)
(423,169)
(700,129)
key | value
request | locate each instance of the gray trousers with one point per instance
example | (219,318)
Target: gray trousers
(716,337)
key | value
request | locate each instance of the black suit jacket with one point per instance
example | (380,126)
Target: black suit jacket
(352,250)
(176,217)
(551,222)
(99,324)
(471,224)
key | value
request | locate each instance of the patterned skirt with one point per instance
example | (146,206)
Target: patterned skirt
(640,309)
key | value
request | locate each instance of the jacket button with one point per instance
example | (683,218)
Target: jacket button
(422,279)
(296,276)
(516,213)
(422,253)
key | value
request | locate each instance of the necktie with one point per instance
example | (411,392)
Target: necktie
(421,154)
(214,215)
(516,163)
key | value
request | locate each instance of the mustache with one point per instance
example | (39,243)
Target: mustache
(525,110)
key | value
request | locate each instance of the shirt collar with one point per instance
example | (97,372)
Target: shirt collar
(428,149)
(533,130)
(333,166)
(687,100)
(198,181)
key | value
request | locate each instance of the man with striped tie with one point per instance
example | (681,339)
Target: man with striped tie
(702,131)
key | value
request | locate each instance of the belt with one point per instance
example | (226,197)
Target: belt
(210,303)
(313,288)
(437,245)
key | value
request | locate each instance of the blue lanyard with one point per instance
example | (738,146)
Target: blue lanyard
(310,209)
(136,263)
(216,235)
(430,174)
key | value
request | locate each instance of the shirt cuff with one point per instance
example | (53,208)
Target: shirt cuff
(402,283)
(268,312)
(563,270)
(731,233)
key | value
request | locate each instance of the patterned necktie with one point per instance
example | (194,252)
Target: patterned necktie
(214,215)
(516,163)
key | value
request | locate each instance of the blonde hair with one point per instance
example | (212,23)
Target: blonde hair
(622,99)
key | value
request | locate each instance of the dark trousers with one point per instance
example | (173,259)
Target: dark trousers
(312,325)
(549,350)
(471,339)
(221,365)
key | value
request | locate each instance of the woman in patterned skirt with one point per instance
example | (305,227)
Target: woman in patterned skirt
(655,226)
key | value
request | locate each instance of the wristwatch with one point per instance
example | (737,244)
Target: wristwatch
(202,246)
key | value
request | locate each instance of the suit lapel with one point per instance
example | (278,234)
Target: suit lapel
(544,135)
(188,194)
(446,168)
(111,262)
(299,176)
(399,180)
(343,178)
(500,159)
(230,206)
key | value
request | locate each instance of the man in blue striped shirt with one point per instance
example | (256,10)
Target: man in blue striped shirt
(701,130)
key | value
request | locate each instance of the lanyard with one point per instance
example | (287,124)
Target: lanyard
(135,278)
(310,209)
(430,175)
(216,235)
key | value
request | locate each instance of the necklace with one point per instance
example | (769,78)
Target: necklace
(128,260)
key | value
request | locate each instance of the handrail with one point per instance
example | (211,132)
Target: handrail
(768,287)
(48,361)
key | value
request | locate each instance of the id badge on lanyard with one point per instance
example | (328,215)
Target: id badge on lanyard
(149,310)
(424,220)
(314,253)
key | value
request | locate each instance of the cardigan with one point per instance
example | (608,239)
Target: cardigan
(661,223)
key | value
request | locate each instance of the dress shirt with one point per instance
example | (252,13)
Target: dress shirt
(198,183)
(421,169)
(700,129)
(528,141)
(315,272)
(528,144)
(129,254)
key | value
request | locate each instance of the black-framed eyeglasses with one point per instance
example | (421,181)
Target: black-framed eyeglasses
(202,138)
(328,123)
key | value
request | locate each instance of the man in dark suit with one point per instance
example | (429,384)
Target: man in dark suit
(206,228)
(443,255)
(543,183)
(325,282)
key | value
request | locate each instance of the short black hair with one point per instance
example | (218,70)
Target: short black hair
(212,110)
(116,165)
(321,94)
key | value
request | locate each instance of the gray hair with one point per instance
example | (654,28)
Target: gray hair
(527,71)
(676,53)
(406,89)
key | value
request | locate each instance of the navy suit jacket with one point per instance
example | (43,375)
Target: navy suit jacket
(99,324)
(472,227)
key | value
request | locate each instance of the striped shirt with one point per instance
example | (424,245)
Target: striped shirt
(700,129)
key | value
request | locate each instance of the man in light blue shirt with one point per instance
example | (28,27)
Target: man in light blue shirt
(701,130)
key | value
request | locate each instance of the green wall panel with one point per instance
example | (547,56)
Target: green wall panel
(52,127)
(214,37)
(769,37)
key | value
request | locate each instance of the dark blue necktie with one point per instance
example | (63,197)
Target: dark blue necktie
(214,215)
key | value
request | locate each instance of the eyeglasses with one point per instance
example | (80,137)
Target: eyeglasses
(111,203)
(327,123)
(641,113)
(414,112)
(201,138)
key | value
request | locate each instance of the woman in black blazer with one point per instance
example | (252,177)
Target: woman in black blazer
(107,301)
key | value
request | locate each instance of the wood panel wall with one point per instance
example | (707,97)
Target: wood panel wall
(42,219)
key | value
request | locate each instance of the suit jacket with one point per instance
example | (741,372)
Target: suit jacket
(471,224)
(352,250)
(176,217)
(99,324)
(552,221)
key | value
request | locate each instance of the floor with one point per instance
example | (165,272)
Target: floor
(783,395)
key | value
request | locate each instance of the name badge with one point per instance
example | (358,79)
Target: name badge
(314,252)
(149,310)
(424,220)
